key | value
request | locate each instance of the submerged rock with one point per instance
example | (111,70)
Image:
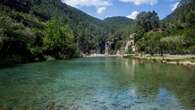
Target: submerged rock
(49,58)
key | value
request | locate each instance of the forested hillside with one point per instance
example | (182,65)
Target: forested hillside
(173,35)
(118,29)
(182,11)
(36,30)
(33,30)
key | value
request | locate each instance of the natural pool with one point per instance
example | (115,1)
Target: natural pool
(97,84)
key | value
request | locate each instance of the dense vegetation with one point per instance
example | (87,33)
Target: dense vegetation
(118,29)
(35,30)
(173,35)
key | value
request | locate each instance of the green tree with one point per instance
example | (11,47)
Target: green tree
(150,43)
(173,44)
(191,19)
(148,20)
(59,40)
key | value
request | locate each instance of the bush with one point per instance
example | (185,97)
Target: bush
(58,40)
(150,43)
(173,44)
(192,49)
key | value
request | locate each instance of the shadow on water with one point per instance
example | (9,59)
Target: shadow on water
(7,65)
(97,84)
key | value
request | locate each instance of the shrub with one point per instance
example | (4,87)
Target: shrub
(59,40)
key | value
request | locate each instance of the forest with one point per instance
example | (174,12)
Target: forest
(173,35)
(38,30)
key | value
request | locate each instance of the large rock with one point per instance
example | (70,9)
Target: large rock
(107,47)
(130,44)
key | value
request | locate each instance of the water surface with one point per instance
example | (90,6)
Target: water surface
(97,84)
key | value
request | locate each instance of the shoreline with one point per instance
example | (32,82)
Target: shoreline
(185,60)
(102,55)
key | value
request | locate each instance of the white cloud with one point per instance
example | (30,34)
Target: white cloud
(133,15)
(140,2)
(96,3)
(174,6)
(100,5)
(101,10)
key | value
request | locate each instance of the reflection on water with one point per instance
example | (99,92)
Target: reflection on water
(97,84)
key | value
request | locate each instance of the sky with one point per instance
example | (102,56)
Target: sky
(128,8)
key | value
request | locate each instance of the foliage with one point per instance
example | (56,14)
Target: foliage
(174,35)
(191,18)
(179,15)
(172,44)
(150,43)
(33,29)
(59,40)
(148,21)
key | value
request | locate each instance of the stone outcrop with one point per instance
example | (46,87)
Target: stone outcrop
(130,46)
(107,47)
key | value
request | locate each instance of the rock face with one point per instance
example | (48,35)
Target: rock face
(130,45)
(107,47)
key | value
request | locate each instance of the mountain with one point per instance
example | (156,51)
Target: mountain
(25,25)
(181,12)
(118,30)
(118,23)
(48,9)
(173,35)
(91,33)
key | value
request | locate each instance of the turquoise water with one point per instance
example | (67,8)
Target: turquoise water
(97,84)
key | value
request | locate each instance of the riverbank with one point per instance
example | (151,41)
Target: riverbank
(186,60)
(102,55)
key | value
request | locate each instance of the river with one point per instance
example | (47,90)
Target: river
(97,84)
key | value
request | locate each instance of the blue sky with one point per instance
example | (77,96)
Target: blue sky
(129,8)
